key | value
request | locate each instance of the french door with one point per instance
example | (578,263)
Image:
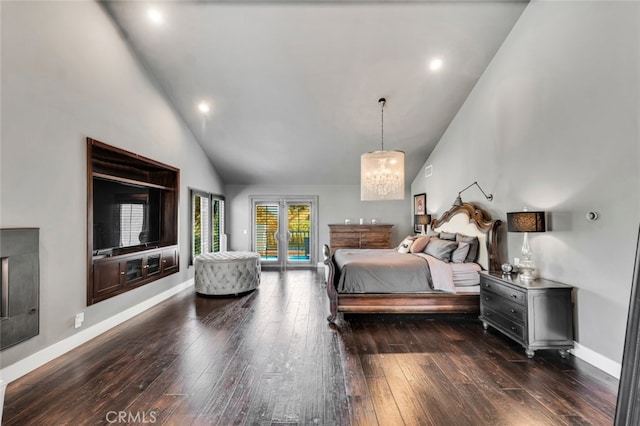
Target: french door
(284,231)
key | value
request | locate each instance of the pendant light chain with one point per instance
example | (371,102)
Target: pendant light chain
(382,101)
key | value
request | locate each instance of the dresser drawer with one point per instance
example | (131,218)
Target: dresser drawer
(503,306)
(381,241)
(345,241)
(512,294)
(511,327)
(373,236)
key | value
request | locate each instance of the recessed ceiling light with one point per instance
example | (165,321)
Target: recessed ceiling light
(155,16)
(435,64)
(203,107)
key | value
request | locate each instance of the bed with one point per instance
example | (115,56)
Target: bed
(387,281)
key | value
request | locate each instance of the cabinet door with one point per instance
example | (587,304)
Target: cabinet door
(133,270)
(169,261)
(152,265)
(107,277)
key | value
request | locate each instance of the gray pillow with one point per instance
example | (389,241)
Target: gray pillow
(433,234)
(448,236)
(441,249)
(474,246)
(459,255)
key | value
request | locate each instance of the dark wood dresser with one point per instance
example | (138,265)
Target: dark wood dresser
(535,313)
(376,236)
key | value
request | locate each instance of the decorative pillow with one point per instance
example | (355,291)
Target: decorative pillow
(474,246)
(419,244)
(459,255)
(441,249)
(448,236)
(405,245)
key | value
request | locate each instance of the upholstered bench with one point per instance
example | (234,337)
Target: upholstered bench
(227,272)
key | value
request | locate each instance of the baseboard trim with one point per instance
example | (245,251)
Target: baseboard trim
(30,363)
(600,361)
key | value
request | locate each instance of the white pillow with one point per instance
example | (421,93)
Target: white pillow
(405,245)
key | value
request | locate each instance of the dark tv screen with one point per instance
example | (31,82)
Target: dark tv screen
(125,215)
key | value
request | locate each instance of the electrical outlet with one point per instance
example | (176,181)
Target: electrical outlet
(79,320)
(516,261)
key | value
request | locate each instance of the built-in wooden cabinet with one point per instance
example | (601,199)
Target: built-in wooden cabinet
(117,274)
(372,236)
(126,253)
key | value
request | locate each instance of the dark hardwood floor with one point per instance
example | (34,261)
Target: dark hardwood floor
(271,358)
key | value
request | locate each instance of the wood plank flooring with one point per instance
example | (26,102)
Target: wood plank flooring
(271,358)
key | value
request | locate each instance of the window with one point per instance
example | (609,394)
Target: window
(207,223)
(131,224)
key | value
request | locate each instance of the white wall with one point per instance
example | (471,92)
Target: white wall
(335,204)
(66,75)
(553,125)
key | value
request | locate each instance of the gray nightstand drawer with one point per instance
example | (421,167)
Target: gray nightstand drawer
(516,330)
(505,291)
(503,306)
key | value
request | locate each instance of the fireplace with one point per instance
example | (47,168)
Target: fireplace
(20,285)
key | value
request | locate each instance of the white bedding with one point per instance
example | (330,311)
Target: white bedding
(452,277)
(465,274)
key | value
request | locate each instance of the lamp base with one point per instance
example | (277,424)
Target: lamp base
(527,269)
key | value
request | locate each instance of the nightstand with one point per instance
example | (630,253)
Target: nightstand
(535,313)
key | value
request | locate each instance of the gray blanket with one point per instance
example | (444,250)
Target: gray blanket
(381,271)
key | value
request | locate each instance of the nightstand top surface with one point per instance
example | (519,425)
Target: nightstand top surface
(515,279)
(360,224)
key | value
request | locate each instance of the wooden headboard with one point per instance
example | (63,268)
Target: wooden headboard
(468,219)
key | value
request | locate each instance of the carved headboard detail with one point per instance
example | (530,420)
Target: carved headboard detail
(470,219)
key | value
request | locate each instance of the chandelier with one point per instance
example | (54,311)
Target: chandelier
(382,172)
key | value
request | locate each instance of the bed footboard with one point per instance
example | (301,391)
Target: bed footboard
(331,287)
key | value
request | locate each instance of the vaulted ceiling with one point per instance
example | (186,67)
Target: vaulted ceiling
(293,87)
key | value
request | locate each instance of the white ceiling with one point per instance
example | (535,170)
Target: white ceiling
(294,86)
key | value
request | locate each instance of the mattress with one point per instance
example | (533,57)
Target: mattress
(387,271)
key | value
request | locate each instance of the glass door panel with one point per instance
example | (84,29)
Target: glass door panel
(298,236)
(284,231)
(266,235)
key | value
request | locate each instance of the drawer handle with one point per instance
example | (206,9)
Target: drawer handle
(122,273)
(515,296)
(513,311)
(488,314)
(487,298)
(513,328)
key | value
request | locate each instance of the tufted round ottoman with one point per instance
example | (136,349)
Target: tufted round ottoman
(227,272)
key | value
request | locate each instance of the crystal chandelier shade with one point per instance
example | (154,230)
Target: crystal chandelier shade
(382,175)
(382,172)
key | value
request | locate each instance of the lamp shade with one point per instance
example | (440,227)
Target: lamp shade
(422,219)
(526,222)
(382,175)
